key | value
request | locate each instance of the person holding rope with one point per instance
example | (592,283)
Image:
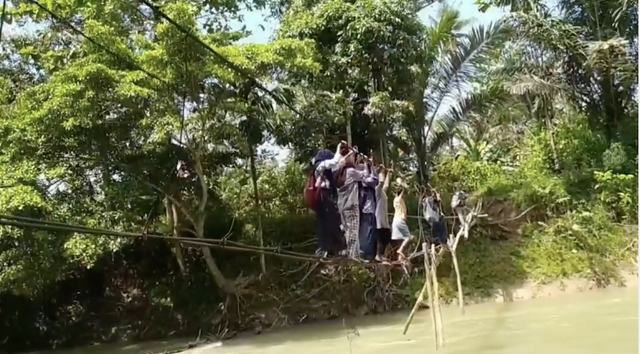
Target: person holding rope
(322,196)
(348,181)
(431,206)
(399,228)
(383,228)
(366,234)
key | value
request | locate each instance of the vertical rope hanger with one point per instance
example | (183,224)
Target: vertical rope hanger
(4,11)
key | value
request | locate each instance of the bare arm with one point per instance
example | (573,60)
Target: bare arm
(332,164)
(387,178)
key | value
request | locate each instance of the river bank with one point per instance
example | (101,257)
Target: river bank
(533,290)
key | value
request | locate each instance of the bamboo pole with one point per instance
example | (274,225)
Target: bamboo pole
(426,287)
(24,222)
(432,309)
(456,268)
(349,140)
(436,296)
(454,257)
(415,308)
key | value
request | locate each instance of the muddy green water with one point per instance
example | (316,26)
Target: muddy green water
(596,322)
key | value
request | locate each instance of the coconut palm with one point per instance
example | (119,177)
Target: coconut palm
(452,56)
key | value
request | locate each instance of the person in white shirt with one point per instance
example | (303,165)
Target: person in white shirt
(383,229)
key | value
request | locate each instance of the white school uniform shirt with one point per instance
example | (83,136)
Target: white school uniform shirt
(331,164)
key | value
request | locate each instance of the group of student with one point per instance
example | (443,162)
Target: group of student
(349,197)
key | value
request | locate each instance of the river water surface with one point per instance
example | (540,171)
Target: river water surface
(595,322)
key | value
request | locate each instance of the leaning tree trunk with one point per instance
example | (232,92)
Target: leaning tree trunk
(198,221)
(256,200)
(223,283)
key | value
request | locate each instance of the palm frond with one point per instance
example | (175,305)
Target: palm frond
(530,84)
(457,66)
(613,55)
(445,124)
(526,6)
(548,32)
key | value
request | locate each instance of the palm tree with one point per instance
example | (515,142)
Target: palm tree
(381,51)
(451,59)
(585,55)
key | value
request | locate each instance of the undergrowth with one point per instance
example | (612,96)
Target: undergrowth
(578,222)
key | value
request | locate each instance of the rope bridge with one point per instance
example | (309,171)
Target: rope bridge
(431,254)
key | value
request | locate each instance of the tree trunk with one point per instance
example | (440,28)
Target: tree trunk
(419,137)
(256,199)
(556,161)
(223,283)
(173,221)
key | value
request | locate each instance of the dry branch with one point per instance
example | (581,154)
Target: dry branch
(466,222)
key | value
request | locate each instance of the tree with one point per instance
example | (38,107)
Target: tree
(360,55)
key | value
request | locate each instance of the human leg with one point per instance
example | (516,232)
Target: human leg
(351,223)
(383,237)
(321,228)
(400,232)
(439,232)
(403,246)
(334,238)
(367,237)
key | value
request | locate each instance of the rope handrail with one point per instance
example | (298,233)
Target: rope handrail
(446,217)
(24,222)
(61,226)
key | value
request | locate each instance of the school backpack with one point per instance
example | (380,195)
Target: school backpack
(311,192)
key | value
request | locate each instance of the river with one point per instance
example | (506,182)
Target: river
(594,322)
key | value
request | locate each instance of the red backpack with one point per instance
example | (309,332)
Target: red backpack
(311,192)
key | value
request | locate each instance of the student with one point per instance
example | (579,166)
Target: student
(434,217)
(349,179)
(383,229)
(399,227)
(330,239)
(366,234)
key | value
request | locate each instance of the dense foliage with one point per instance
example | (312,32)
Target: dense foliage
(536,112)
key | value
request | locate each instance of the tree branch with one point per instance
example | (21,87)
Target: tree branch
(174,201)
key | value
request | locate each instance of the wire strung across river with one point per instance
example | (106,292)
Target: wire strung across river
(25,222)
